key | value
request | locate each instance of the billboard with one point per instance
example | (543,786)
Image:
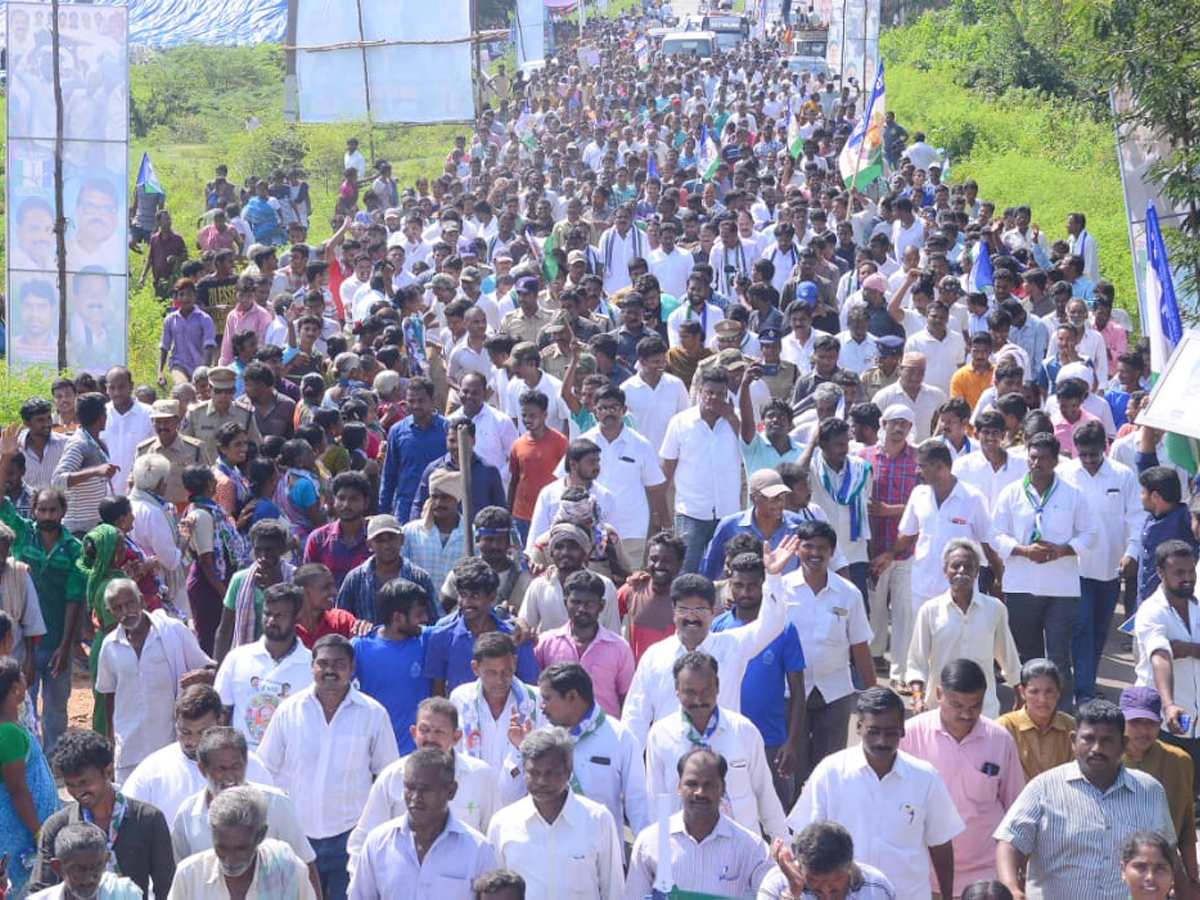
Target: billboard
(382,60)
(853,47)
(93,64)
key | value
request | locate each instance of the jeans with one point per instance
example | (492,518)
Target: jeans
(55,693)
(1097,602)
(332,864)
(696,534)
(858,575)
(1042,627)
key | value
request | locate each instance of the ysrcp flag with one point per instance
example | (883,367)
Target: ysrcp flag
(861,160)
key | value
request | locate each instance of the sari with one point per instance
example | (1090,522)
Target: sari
(98,567)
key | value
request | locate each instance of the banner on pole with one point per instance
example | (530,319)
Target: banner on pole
(95,94)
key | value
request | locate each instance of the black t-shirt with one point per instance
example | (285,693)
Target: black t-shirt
(213,291)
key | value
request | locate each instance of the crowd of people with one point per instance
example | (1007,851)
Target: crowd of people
(545,531)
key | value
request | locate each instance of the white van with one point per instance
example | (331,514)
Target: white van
(696,44)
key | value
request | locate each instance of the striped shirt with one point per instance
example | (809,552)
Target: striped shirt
(1072,831)
(729,862)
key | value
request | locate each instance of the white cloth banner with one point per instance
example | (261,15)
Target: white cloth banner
(531,31)
(409,83)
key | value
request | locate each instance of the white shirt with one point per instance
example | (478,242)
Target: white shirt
(200,876)
(251,682)
(798,354)
(166,779)
(545,605)
(706,457)
(1155,626)
(672,270)
(975,469)
(475,800)
(1083,244)
(548,499)
(738,258)
(190,831)
(1115,497)
(924,407)
(112,887)
(464,359)
(893,820)
(122,433)
(653,407)
(838,515)
(616,252)
(1067,520)
(343,755)
(557,415)
(942,358)
(730,861)
(855,356)
(575,857)
(963,514)
(749,789)
(942,632)
(494,436)
(628,466)
(708,317)
(145,685)
(652,694)
(485,737)
(152,529)
(388,866)
(904,237)
(829,624)
(610,770)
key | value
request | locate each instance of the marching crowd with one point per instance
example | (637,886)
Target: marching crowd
(545,531)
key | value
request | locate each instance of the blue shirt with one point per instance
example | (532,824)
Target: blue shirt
(1174,525)
(713,566)
(448,656)
(409,450)
(763,700)
(357,593)
(1118,402)
(393,672)
(487,488)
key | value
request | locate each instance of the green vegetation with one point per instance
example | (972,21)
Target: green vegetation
(1021,147)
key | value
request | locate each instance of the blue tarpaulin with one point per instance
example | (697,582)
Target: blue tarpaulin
(170,23)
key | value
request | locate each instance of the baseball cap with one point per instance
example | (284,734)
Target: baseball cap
(383,524)
(768,483)
(1141,703)
(875,282)
(806,291)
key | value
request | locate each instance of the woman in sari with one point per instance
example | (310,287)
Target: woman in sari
(27,795)
(218,548)
(101,561)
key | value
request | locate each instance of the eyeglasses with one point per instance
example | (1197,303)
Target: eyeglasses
(694,610)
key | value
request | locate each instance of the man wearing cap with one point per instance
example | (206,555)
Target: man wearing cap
(528,319)
(886,370)
(385,537)
(204,419)
(776,373)
(732,335)
(181,450)
(435,541)
(765,518)
(912,391)
(544,606)
(1170,766)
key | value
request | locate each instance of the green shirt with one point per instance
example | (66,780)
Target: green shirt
(230,602)
(56,577)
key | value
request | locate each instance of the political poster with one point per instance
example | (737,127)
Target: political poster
(93,74)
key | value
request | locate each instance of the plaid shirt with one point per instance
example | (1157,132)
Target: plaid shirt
(425,547)
(325,545)
(357,593)
(895,478)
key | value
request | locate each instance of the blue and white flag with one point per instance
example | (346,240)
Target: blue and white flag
(1162,324)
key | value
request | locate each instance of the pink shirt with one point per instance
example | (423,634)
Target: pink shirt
(255,319)
(1065,431)
(607,659)
(980,798)
(1115,342)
